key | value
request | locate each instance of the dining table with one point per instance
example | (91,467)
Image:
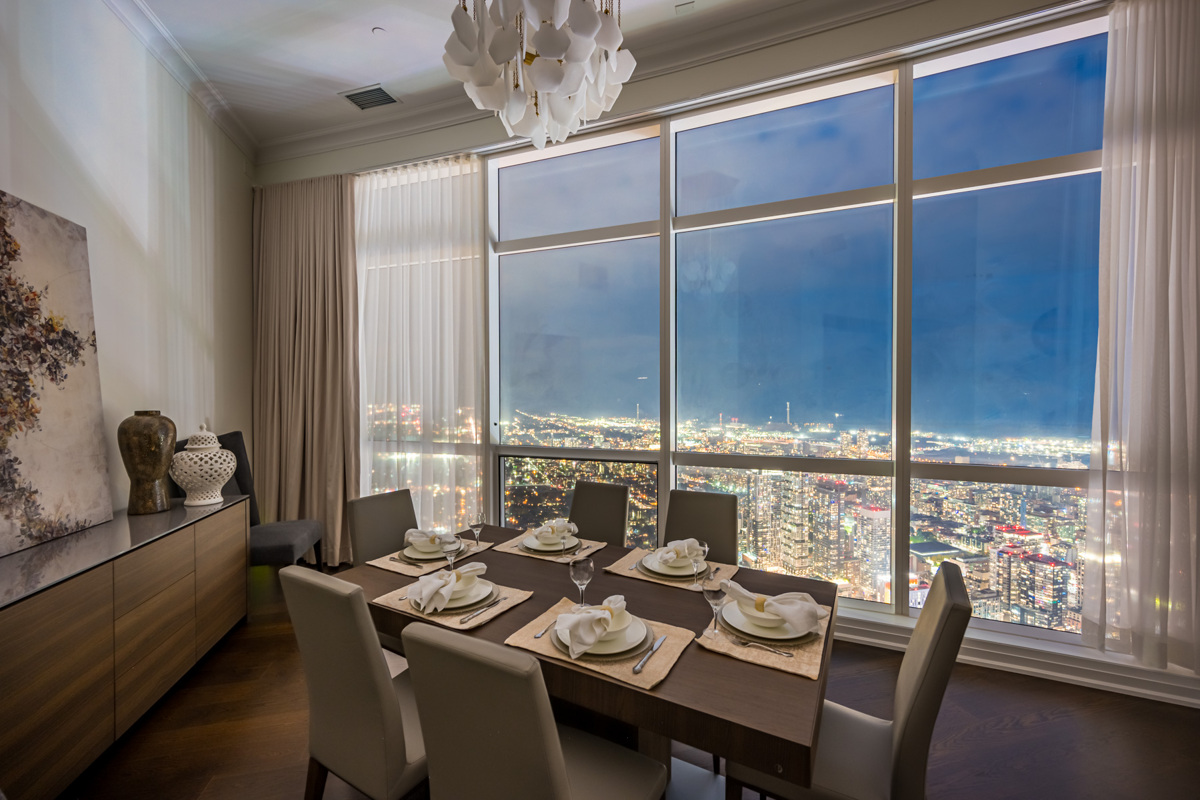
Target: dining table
(761,717)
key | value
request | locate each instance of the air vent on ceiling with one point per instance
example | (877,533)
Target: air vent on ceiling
(369,97)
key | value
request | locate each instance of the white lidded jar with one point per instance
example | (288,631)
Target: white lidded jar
(202,468)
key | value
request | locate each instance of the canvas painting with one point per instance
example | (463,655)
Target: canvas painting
(53,463)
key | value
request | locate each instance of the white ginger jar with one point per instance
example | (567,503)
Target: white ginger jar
(202,468)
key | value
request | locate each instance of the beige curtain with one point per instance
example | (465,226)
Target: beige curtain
(305,407)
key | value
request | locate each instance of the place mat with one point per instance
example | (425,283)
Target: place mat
(587,547)
(417,570)
(398,601)
(805,661)
(627,566)
(619,669)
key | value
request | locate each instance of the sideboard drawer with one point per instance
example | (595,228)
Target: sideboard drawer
(140,631)
(149,570)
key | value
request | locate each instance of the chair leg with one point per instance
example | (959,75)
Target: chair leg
(716,764)
(733,789)
(314,788)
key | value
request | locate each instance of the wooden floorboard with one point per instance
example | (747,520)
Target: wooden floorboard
(236,727)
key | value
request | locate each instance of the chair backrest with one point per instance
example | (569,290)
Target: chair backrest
(354,720)
(242,481)
(924,673)
(601,510)
(709,516)
(378,523)
(487,703)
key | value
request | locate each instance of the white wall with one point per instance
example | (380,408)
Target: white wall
(93,129)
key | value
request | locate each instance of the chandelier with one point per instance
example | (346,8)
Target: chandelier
(544,67)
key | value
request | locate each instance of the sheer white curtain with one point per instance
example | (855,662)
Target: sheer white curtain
(1142,571)
(421,293)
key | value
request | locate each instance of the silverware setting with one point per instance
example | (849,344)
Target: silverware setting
(576,554)
(637,668)
(545,630)
(713,574)
(479,611)
(740,642)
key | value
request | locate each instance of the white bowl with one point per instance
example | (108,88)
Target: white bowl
(426,546)
(464,585)
(668,561)
(619,623)
(765,619)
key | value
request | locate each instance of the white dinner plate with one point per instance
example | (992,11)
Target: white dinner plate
(478,593)
(627,639)
(732,616)
(414,554)
(652,564)
(532,543)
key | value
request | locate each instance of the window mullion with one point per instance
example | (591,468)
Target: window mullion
(902,340)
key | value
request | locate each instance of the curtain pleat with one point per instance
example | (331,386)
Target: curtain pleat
(1142,564)
(305,407)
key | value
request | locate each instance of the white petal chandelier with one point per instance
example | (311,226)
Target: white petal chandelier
(544,66)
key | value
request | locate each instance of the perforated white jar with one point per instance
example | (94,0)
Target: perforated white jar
(202,468)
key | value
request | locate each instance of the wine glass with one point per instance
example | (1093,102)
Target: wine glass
(450,550)
(581,575)
(476,527)
(699,557)
(714,593)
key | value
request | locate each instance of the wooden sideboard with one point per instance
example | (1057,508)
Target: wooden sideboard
(103,627)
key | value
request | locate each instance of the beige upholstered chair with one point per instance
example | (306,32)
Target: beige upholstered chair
(709,516)
(362,723)
(489,731)
(860,756)
(378,523)
(601,510)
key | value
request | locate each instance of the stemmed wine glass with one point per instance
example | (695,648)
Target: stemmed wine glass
(581,575)
(714,593)
(450,550)
(699,557)
(476,527)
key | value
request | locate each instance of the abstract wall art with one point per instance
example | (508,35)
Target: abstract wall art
(53,463)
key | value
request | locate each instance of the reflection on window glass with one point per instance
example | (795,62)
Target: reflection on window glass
(579,346)
(831,145)
(784,336)
(1019,548)
(1004,323)
(445,488)
(834,527)
(1038,104)
(593,189)
(539,489)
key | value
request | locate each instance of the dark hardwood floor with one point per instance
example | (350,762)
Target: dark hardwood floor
(236,727)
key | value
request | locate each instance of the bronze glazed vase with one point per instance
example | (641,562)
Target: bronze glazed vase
(147,443)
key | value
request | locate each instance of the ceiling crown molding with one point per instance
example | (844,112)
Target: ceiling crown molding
(150,31)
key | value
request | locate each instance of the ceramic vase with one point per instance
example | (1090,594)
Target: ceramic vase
(202,468)
(147,442)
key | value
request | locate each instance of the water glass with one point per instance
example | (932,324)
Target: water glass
(581,575)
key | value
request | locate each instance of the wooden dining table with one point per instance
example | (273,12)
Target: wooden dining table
(763,718)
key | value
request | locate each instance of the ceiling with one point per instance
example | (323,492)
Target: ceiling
(270,71)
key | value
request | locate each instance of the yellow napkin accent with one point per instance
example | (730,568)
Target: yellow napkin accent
(760,601)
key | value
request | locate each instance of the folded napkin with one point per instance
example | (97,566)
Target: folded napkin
(417,537)
(555,531)
(584,628)
(686,549)
(798,609)
(432,592)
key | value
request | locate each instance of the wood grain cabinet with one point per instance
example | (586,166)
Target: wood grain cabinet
(83,660)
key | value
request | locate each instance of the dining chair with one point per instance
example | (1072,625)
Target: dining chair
(378,523)
(601,510)
(362,722)
(709,516)
(861,756)
(490,733)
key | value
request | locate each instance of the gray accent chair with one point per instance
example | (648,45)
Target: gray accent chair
(362,722)
(601,510)
(860,756)
(709,516)
(488,704)
(378,523)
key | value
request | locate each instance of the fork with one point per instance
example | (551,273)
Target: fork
(740,642)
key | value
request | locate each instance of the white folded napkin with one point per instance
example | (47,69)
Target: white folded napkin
(681,550)
(427,539)
(584,628)
(798,609)
(555,531)
(432,592)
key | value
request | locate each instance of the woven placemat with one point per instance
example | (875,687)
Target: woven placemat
(655,670)
(805,659)
(398,601)
(587,547)
(390,562)
(627,566)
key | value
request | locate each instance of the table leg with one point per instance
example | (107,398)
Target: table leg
(656,746)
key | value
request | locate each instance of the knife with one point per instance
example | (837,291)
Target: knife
(479,611)
(657,644)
